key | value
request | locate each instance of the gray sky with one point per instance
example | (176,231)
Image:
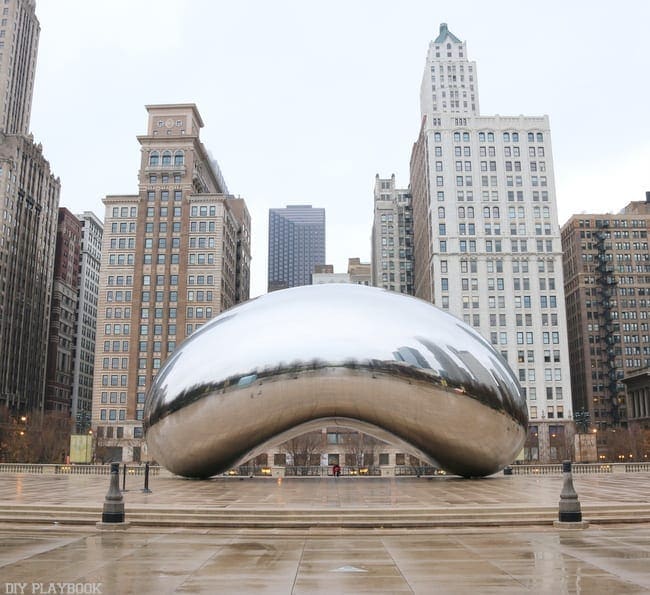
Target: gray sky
(304,102)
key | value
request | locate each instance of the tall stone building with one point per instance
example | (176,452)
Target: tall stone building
(392,237)
(486,234)
(29,201)
(29,195)
(173,256)
(86,320)
(61,340)
(243,264)
(607,288)
(19,32)
(296,245)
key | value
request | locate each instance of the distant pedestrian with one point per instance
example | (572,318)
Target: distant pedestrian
(336,470)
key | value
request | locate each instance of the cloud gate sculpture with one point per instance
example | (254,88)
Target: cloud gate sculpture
(388,364)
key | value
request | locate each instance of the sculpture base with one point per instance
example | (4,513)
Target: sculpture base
(112,526)
(571,525)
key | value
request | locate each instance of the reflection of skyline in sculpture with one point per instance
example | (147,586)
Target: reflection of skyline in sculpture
(315,353)
(411,356)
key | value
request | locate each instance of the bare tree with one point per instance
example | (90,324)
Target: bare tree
(638,442)
(618,444)
(35,438)
(361,448)
(303,448)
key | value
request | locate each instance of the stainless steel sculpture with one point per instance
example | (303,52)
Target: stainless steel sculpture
(391,365)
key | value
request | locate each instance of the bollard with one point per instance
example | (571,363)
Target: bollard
(114,504)
(124,478)
(146,489)
(569,514)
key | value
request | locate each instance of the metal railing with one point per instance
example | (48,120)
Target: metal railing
(584,468)
(407,470)
(61,469)
(137,469)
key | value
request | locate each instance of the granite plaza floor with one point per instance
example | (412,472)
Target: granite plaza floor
(600,559)
(327,492)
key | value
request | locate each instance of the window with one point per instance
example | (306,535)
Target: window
(154,158)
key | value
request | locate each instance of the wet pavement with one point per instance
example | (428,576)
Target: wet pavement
(328,492)
(54,558)
(595,560)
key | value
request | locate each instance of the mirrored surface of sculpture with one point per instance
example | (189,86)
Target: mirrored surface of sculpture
(388,364)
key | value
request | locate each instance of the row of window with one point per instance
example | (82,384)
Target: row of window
(550,374)
(511,181)
(124,227)
(162,227)
(490,151)
(113,415)
(601,223)
(117,329)
(489,137)
(164,178)
(492,165)
(143,347)
(475,319)
(163,211)
(492,246)
(158,313)
(118,312)
(166,158)
(122,243)
(122,212)
(550,414)
(159,280)
(119,431)
(115,363)
(157,329)
(493,195)
(496,265)
(112,397)
(164,195)
(114,380)
(469,229)
(116,346)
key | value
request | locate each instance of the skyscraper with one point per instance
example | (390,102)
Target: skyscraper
(173,256)
(29,201)
(296,245)
(60,351)
(86,319)
(27,245)
(392,237)
(19,32)
(486,234)
(607,286)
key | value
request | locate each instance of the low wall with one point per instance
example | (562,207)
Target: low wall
(315,471)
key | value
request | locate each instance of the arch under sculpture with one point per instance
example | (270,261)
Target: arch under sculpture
(391,365)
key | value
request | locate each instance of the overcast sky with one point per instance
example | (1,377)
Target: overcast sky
(304,102)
